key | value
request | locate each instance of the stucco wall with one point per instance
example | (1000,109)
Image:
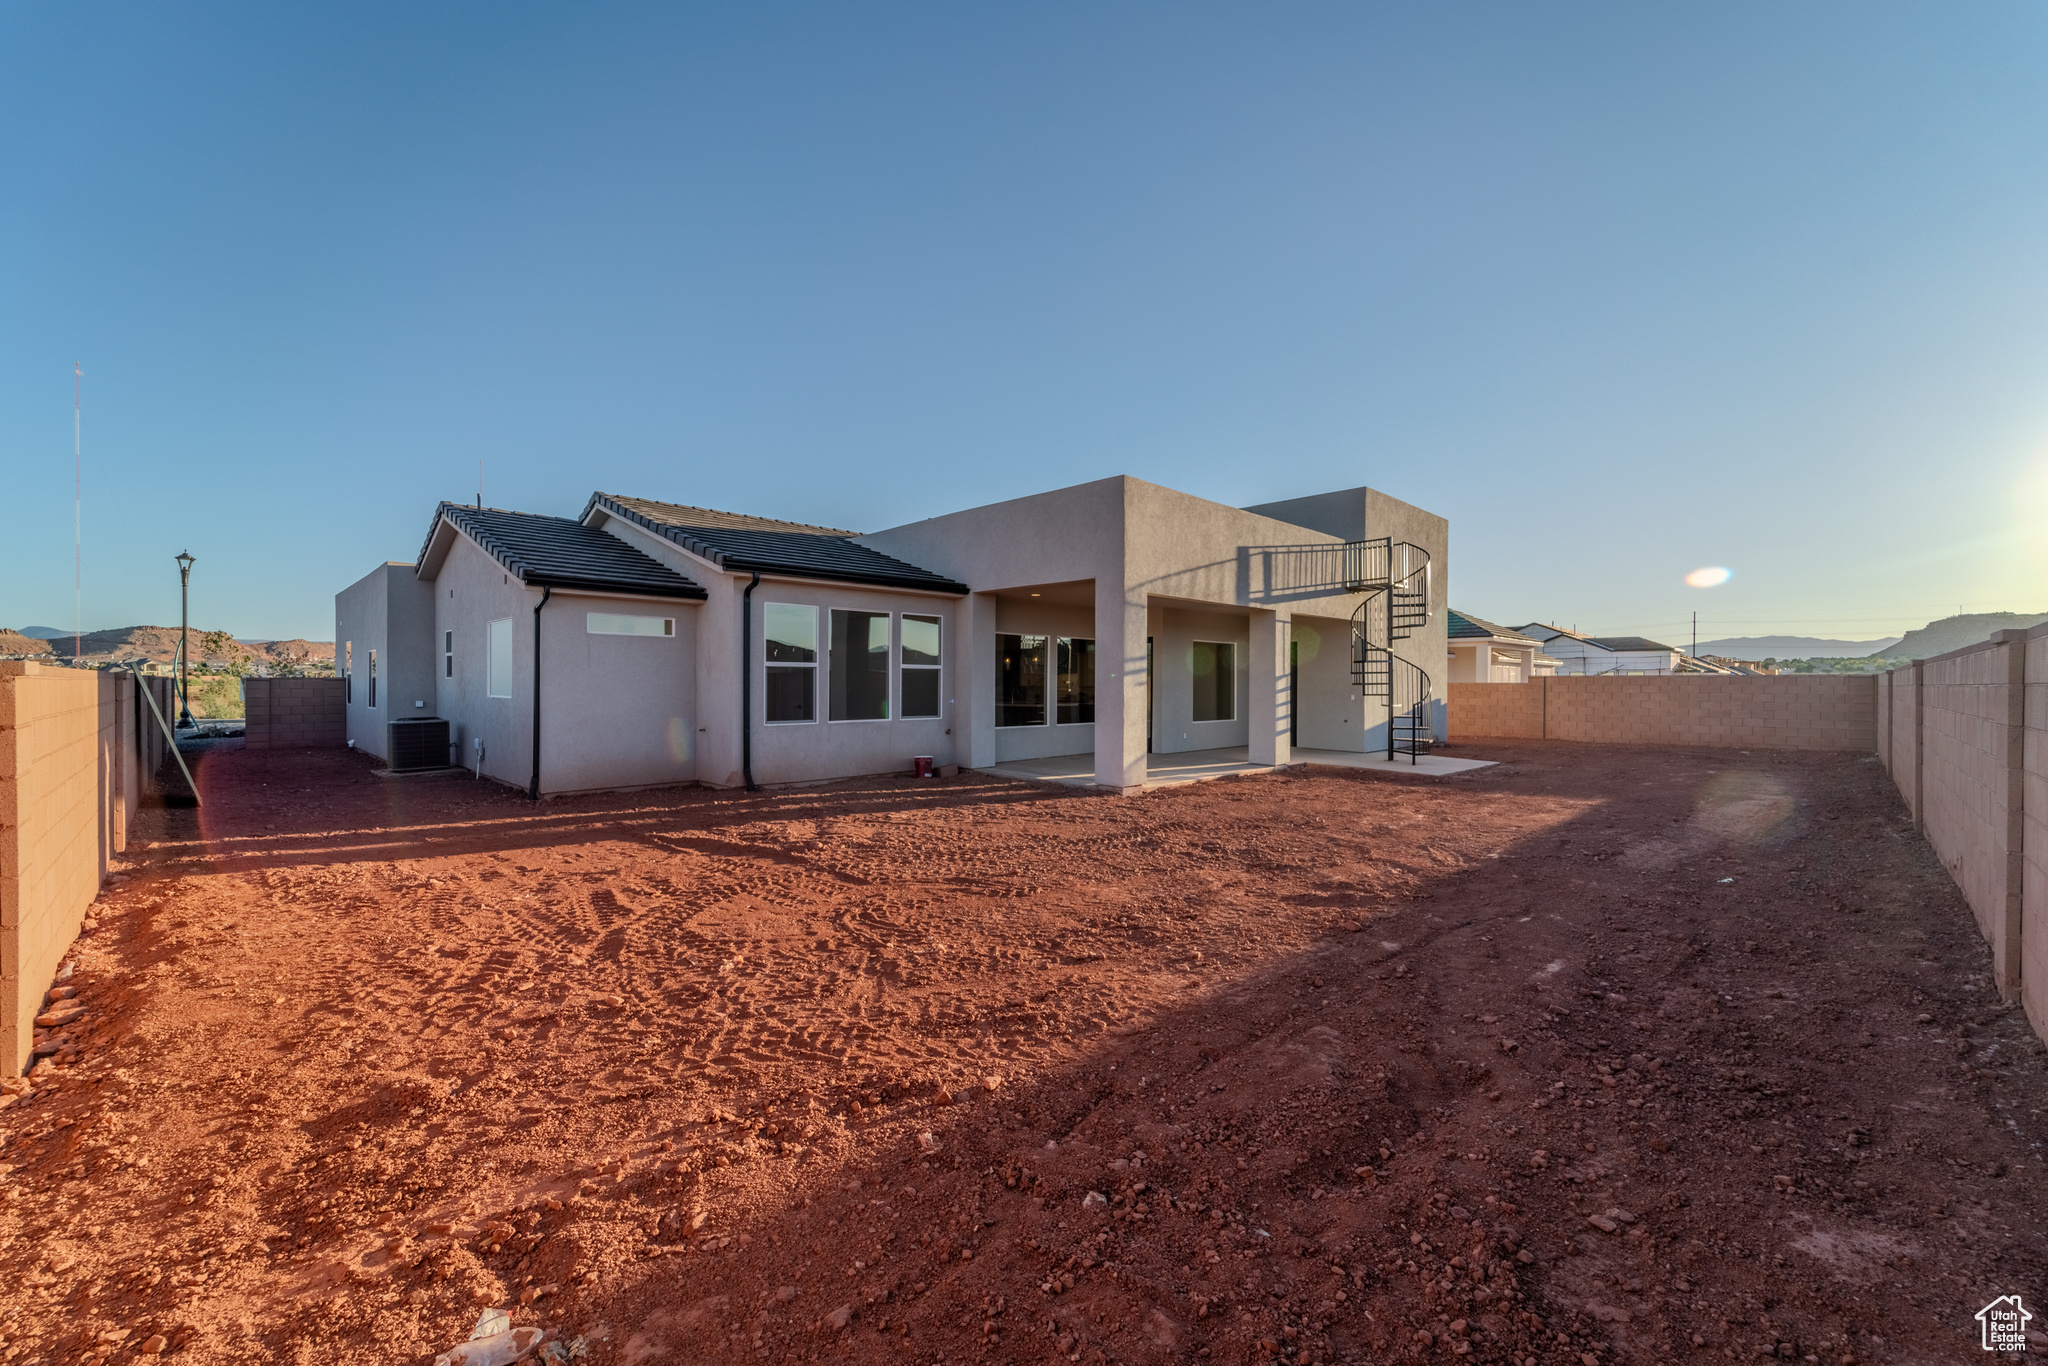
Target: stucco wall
(470,590)
(293,713)
(808,752)
(1791,711)
(1330,712)
(616,711)
(68,784)
(388,610)
(1174,633)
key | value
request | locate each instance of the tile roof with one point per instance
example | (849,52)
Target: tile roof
(555,552)
(745,544)
(1465,626)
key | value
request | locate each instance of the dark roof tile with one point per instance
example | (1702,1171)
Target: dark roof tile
(744,544)
(555,552)
(1465,626)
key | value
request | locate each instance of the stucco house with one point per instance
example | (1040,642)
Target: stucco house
(1583,654)
(645,642)
(1481,652)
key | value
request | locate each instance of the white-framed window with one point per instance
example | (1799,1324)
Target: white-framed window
(918,670)
(500,670)
(857,678)
(1075,682)
(1214,666)
(1020,680)
(373,678)
(448,654)
(620,624)
(789,649)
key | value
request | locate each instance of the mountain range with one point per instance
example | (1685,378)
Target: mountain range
(1935,638)
(1795,647)
(158,644)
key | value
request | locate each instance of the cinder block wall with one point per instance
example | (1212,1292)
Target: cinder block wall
(65,789)
(1790,711)
(2033,823)
(1969,726)
(1969,750)
(1501,709)
(293,713)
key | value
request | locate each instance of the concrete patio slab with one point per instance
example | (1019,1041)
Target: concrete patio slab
(1200,765)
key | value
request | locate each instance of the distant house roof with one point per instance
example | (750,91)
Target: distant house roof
(1465,626)
(1619,643)
(555,552)
(745,544)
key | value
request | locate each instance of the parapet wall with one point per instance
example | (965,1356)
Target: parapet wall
(293,713)
(1788,711)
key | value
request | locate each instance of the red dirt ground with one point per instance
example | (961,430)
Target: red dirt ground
(1605,1054)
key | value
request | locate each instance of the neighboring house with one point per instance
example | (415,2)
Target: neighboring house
(1481,652)
(1582,654)
(644,642)
(1735,666)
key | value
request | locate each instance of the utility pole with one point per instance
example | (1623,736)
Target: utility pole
(1695,635)
(185,563)
(77,522)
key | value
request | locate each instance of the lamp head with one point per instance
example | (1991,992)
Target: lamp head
(185,563)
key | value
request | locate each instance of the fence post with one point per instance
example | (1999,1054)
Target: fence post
(1919,745)
(2012,908)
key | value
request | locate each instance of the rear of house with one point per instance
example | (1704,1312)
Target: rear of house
(646,642)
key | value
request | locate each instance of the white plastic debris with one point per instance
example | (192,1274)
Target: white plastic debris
(490,1323)
(499,1349)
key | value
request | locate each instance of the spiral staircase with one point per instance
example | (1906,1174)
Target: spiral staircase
(1394,576)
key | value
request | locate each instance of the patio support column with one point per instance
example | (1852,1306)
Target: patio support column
(1267,707)
(974,714)
(1120,627)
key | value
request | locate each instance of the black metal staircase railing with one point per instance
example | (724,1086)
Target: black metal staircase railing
(1395,578)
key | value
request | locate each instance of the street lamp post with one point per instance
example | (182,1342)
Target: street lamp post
(185,562)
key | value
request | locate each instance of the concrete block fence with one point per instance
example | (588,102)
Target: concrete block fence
(72,747)
(293,713)
(1965,737)
(1788,711)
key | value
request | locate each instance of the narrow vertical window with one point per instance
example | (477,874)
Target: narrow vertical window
(789,643)
(348,672)
(1020,680)
(859,683)
(1214,666)
(448,654)
(1076,682)
(373,678)
(500,670)
(918,660)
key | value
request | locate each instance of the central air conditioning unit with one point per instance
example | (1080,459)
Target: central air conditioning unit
(417,743)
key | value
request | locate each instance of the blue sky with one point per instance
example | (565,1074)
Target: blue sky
(1622,290)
